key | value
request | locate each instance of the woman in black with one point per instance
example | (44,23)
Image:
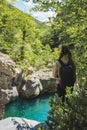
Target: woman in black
(64,63)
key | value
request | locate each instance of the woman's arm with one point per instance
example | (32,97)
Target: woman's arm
(55,71)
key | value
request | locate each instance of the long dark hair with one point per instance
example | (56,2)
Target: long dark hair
(65,51)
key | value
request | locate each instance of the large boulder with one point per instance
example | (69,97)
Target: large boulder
(15,123)
(9,95)
(19,80)
(39,82)
(31,89)
(7,73)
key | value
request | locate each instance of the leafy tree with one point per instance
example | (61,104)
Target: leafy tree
(71,115)
(70,27)
(24,38)
(21,37)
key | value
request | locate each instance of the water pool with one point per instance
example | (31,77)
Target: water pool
(34,109)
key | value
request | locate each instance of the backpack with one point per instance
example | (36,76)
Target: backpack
(66,74)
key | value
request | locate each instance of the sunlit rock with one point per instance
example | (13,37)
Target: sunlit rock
(39,82)
(7,73)
(14,123)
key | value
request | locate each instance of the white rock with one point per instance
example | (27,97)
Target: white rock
(12,123)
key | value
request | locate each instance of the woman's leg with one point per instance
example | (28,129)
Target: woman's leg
(61,91)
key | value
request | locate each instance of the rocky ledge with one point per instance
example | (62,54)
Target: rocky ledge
(14,123)
(13,83)
(8,93)
(39,82)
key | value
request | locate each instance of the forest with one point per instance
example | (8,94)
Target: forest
(24,38)
(32,43)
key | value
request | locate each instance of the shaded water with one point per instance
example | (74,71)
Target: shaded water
(34,109)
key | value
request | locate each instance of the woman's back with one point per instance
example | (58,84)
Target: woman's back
(64,71)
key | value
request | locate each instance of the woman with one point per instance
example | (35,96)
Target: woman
(64,63)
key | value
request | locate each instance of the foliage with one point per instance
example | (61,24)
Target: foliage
(21,37)
(71,115)
(30,42)
(69,27)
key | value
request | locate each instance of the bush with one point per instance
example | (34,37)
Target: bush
(72,115)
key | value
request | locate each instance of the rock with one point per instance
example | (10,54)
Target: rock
(14,123)
(19,80)
(6,96)
(2,107)
(9,95)
(32,88)
(31,70)
(39,82)
(7,72)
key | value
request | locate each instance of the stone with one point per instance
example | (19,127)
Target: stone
(15,123)
(31,70)
(7,72)
(2,107)
(39,82)
(31,89)
(9,95)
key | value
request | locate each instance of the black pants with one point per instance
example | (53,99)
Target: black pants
(61,91)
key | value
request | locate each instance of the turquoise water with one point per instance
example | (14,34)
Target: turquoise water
(35,109)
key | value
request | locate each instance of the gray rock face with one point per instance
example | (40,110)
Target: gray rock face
(7,72)
(40,82)
(32,88)
(8,95)
(2,107)
(14,123)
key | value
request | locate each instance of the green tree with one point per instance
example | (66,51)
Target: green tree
(71,115)
(70,27)
(22,37)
